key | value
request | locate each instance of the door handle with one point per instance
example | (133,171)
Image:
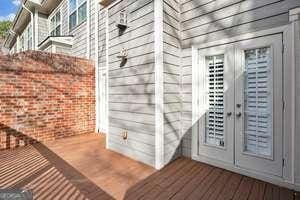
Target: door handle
(239,114)
(229,114)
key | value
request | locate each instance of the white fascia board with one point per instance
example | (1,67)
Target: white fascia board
(66,41)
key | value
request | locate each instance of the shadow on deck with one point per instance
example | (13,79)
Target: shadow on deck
(80,167)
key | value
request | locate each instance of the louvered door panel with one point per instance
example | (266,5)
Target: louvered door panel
(258,99)
(258,102)
(214,130)
(215,119)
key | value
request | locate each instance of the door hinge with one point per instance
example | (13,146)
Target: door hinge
(283,162)
(283,105)
(283,47)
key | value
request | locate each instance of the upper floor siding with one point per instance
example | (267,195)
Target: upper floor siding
(43,27)
(207,20)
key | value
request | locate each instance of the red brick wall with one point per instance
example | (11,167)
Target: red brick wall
(44,97)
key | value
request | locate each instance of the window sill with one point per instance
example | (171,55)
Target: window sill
(77,26)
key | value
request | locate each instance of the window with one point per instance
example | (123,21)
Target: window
(55,24)
(78,12)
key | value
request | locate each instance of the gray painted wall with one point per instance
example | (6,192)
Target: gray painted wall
(92,15)
(172,79)
(131,87)
(102,40)
(206,20)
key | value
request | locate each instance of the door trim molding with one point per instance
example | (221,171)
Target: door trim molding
(288,179)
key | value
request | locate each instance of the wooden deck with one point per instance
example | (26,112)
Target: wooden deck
(81,168)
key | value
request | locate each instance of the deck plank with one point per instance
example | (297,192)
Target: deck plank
(297,196)
(190,186)
(258,191)
(268,192)
(229,190)
(81,168)
(201,189)
(244,189)
(179,184)
(215,190)
(286,194)
(139,190)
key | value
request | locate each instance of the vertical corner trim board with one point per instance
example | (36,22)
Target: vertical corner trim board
(159,89)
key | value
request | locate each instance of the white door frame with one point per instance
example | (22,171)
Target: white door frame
(288,114)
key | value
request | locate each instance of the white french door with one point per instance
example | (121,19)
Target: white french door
(259,104)
(216,88)
(240,102)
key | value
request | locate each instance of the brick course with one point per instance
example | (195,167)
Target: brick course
(44,97)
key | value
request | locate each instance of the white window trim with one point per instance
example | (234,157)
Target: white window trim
(76,10)
(60,23)
(29,30)
(288,96)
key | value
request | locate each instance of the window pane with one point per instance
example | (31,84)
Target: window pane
(52,24)
(81,2)
(57,31)
(72,5)
(57,18)
(82,13)
(72,20)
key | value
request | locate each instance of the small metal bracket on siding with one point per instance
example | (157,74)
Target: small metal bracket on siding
(123,56)
(121,22)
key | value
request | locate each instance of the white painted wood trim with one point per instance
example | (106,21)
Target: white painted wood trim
(97,66)
(159,84)
(294,14)
(36,29)
(195,100)
(297,184)
(289,97)
(88,29)
(107,71)
(113,4)
(288,179)
(54,49)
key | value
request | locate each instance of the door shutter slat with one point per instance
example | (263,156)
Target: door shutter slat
(258,101)
(214,133)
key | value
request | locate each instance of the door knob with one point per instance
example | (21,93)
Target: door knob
(239,114)
(229,114)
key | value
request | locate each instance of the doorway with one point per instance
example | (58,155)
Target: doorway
(240,104)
